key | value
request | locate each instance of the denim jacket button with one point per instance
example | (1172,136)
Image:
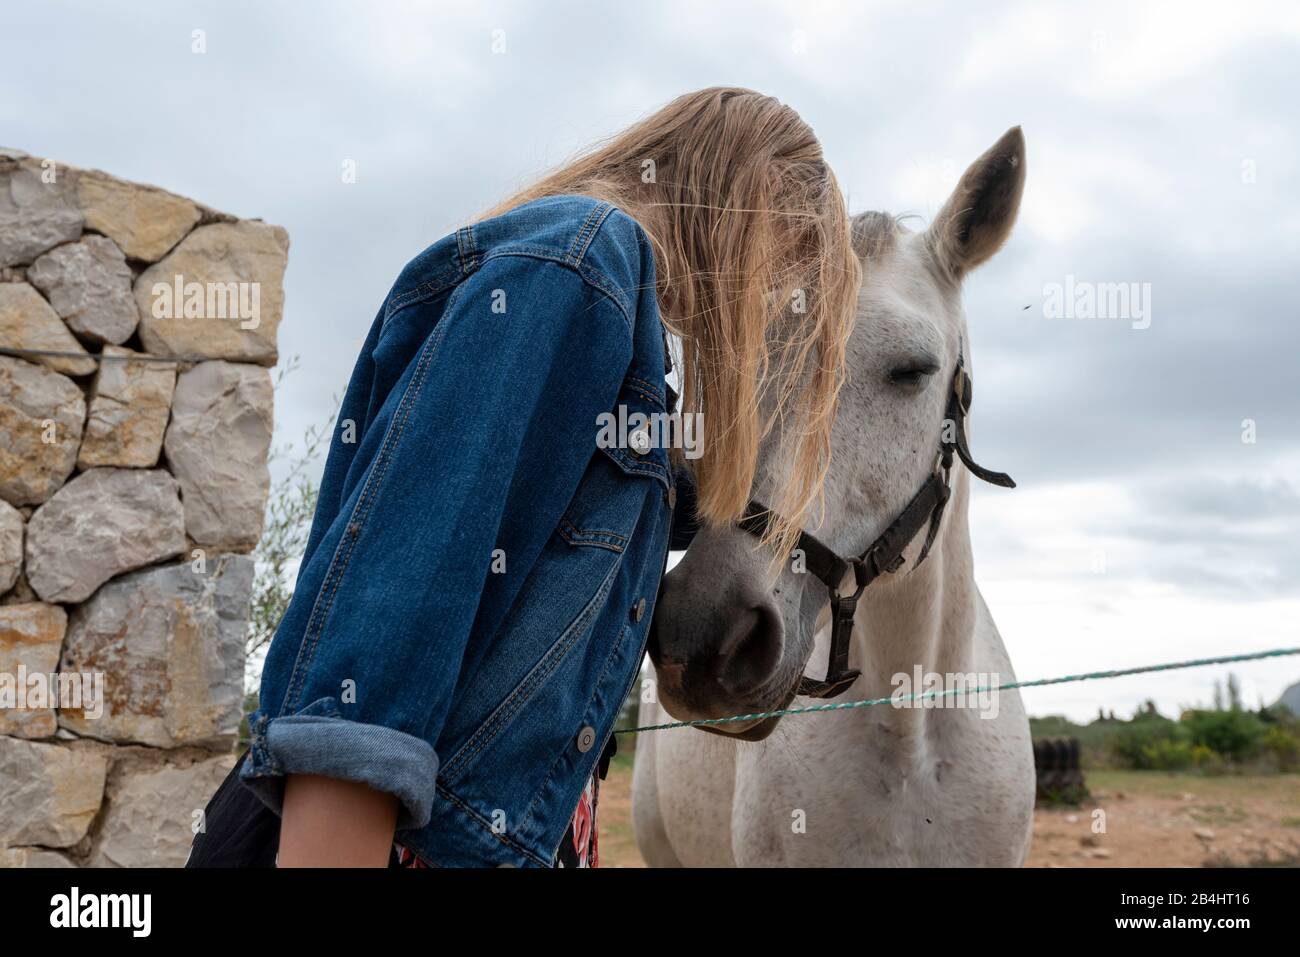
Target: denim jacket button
(639,441)
(586,738)
(638,610)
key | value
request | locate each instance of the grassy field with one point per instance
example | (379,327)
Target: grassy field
(1151,819)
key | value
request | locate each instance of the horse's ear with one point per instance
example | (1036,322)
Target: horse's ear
(978,216)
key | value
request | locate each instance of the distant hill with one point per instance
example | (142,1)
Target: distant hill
(1291,699)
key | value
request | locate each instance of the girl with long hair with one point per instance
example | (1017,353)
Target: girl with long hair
(476,593)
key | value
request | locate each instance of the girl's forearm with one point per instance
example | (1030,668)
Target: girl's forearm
(332,823)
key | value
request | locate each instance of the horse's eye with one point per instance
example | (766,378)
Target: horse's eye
(912,373)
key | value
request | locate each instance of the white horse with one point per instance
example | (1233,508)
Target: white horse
(880,785)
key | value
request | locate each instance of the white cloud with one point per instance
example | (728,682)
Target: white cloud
(1116,51)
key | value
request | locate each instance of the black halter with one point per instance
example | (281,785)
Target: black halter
(885,554)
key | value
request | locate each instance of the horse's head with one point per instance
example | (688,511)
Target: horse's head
(726,640)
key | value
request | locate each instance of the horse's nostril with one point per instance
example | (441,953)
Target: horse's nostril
(750,650)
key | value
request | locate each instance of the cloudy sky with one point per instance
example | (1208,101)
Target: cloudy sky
(1163,146)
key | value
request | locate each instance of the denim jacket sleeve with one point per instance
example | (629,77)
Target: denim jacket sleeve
(369,652)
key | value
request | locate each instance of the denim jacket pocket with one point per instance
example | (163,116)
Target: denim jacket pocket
(630,451)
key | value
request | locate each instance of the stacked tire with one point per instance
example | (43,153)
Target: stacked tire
(1056,764)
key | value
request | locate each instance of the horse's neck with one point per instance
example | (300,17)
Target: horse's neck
(924,618)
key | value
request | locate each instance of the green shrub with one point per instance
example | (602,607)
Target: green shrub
(1152,743)
(1235,735)
(1167,754)
(1282,744)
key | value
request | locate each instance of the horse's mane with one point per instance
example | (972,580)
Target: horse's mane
(874,233)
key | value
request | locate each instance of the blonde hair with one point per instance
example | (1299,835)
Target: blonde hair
(756,276)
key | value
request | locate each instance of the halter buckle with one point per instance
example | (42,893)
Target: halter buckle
(838,673)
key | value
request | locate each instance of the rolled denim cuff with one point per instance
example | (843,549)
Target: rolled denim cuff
(318,741)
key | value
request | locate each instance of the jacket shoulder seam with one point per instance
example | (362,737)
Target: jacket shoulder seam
(595,278)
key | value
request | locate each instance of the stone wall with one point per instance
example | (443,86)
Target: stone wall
(136,328)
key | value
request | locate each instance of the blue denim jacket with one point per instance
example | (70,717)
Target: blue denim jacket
(473,602)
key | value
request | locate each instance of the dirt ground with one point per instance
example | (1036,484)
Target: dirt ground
(1158,819)
(1151,819)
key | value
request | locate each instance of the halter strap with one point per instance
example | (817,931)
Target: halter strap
(958,406)
(886,553)
(818,558)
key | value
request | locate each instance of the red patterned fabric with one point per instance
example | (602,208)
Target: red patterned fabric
(582,835)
